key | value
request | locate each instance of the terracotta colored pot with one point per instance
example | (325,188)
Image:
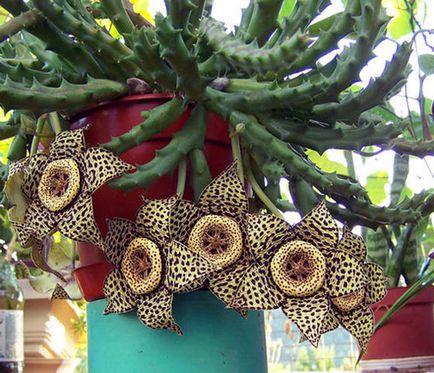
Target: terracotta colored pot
(407,340)
(114,118)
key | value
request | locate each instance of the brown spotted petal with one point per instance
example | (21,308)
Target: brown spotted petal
(265,234)
(120,298)
(25,236)
(353,244)
(308,314)
(18,166)
(224,284)
(32,174)
(185,268)
(68,291)
(225,196)
(78,222)
(360,323)
(59,293)
(155,310)
(67,144)
(120,233)
(99,166)
(330,323)
(183,216)
(40,220)
(256,291)
(345,274)
(153,219)
(376,289)
(318,228)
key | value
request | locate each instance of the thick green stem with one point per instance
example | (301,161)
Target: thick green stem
(18,23)
(190,137)
(66,97)
(117,13)
(182,177)
(39,128)
(200,175)
(176,53)
(156,121)
(263,20)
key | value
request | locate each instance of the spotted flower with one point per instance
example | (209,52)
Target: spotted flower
(351,309)
(303,270)
(58,189)
(215,229)
(149,267)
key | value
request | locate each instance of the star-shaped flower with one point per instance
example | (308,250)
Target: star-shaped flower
(215,229)
(59,186)
(149,267)
(351,309)
(302,270)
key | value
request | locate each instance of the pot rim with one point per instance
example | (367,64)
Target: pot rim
(143,97)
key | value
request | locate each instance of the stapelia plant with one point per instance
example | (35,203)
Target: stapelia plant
(318,280)
(53,192)
(215,228)
(265,78)
(149,267)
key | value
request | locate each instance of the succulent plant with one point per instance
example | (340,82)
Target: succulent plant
(264,78)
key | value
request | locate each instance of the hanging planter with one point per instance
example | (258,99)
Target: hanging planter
(115,118)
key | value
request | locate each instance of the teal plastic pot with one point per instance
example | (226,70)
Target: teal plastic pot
(215,340)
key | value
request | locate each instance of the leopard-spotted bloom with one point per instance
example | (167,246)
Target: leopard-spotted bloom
(149,267)
(58,188)
(215,228)
(306,271)
(351,309)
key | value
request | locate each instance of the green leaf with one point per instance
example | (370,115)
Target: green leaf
(406,192)
(375,186)
(426,63)
(400,25)
(286,9)
(326,164)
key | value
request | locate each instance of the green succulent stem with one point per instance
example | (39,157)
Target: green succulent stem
(190,137)
(321,139)
(40,123)
(101,42)
(55,122)
(250,58)
(182,177)
(183,62)
(200,175)
(67,97)
(258,137)
(258,191)
(57,41)
(117,13)
(263,20)
(156,121)
(18,23)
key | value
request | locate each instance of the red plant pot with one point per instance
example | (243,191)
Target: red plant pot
(406,341)
(114,118)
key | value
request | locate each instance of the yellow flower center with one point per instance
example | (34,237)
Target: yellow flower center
(142,266)
(218,239)
(349,302)
(59,184)
(298,268)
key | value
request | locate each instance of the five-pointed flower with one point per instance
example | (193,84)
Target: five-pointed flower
(58,188)
(351,309)
(149,267)
(302,270)
(215,229)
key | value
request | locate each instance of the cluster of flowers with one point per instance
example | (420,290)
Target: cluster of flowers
(319,278)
